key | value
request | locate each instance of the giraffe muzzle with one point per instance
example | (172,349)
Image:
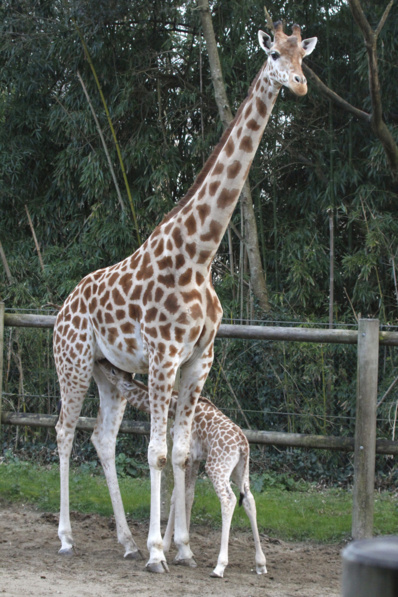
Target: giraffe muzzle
(298,84)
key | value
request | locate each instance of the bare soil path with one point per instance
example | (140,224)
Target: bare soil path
(30,564)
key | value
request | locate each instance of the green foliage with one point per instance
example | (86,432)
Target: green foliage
(22,480)
(313,157)
(285,509)
(129,467)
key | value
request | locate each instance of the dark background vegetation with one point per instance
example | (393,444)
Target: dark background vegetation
(151,62)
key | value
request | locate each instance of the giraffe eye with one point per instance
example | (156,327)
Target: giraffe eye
(275,55)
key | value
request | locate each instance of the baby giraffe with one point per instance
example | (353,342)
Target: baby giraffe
(216,439)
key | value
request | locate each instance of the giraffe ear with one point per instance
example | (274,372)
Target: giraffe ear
(265,41)
(309,44)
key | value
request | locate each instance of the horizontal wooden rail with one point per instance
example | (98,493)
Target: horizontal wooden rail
(243,332)
(84,423)
(29,321)
(271,438)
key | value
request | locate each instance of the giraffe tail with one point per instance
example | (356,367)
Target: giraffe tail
(243,471)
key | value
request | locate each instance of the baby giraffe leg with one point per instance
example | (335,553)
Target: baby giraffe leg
(228,502)
(250,507)
(191,474)
(168,535)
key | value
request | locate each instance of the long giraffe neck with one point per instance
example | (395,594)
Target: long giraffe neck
(202,217)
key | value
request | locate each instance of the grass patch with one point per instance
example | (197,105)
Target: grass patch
(300,513)
(23,481)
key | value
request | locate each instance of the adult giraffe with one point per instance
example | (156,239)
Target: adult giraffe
(157,311)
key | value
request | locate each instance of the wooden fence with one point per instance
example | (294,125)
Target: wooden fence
(368,338)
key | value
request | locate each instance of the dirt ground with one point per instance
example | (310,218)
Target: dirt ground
(30,564)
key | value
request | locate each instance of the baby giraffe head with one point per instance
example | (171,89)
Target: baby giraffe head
(285,55)
(121,379)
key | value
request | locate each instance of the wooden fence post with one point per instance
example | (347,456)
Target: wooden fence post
(365,428)
(2,309)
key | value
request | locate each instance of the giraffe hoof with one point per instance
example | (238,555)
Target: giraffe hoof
(157,567)
(189,562)
(67,551)
(134,555)
(216,575)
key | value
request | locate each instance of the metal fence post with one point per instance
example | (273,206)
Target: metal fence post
(2,309)
(365,428)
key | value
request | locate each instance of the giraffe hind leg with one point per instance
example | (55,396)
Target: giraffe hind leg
(104,439)
(250,507)
(241,477)
(65,429)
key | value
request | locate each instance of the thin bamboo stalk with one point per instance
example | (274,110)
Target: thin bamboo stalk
(119,153)
(104,145)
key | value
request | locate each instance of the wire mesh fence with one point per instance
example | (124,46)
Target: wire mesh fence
(295,387)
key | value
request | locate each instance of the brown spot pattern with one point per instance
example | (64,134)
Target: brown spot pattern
(253,125)
(261,107)
(229,147)
(203,211)
(227,197)
(234,169)
(190,224)
(218,168)
(246,144)
(214,233)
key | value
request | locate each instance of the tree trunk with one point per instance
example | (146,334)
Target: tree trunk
(257,274)
(375,118)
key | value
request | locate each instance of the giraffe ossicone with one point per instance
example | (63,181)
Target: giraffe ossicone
(222,444)
(156,311)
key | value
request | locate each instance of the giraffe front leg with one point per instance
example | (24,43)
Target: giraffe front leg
(184,555)
(193,377)
(187,398)
(157,454)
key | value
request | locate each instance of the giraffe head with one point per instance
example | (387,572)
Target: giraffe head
(285,55)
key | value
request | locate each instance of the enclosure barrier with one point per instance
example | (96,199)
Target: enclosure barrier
(368,337)
(266,438)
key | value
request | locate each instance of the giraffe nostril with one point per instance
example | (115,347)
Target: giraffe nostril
(297,79)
